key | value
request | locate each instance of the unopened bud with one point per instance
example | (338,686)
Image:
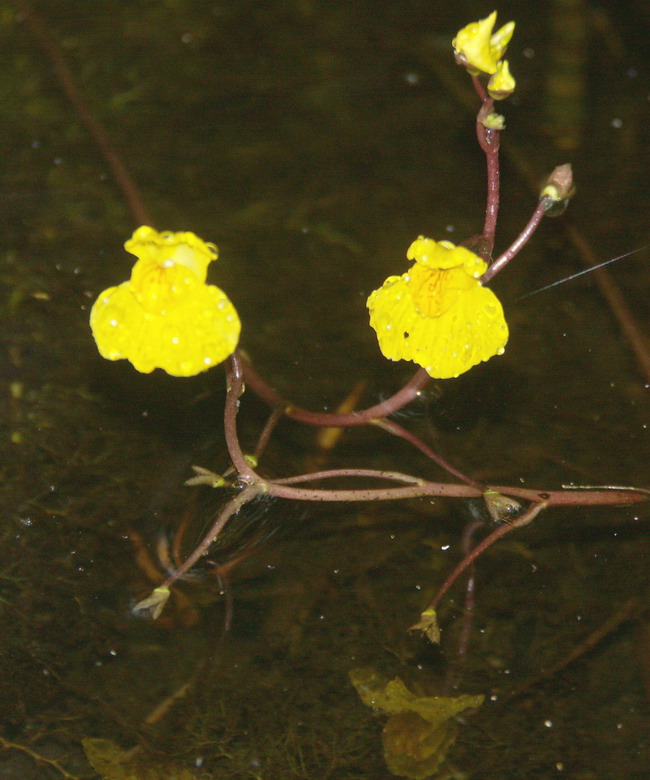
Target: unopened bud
(501,85)
(502,508)
(557,190)
(494,121)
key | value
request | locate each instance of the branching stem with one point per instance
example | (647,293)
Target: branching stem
(517,245)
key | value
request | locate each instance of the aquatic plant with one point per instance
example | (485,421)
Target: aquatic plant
(440,314)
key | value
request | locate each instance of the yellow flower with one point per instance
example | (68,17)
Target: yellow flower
(166,316)
(501,84)
(478,49)
(438,315)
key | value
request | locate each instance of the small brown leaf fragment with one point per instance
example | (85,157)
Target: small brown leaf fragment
(428,625)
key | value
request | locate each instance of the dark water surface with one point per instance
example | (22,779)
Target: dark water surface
(313,141)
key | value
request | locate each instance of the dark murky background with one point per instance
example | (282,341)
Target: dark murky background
(312,141)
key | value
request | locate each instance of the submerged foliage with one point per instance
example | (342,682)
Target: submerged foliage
(420,729)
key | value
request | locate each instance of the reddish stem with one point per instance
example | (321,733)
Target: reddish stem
(490,146)
(268,429)
(394,476)
(66,80)
(418,489)
(480,89)
(488,139)
(467,618)
(528,516)
(232,507)
(235,381)
(256,485)
(397,430)
(396,402)
(623,497)
(517,245)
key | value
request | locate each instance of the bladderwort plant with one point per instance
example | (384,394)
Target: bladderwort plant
(441,315)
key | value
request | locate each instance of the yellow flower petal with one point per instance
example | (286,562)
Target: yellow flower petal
(500,40)
(441,319)
(166,316)
(173,249)
(444,254)
(478,49)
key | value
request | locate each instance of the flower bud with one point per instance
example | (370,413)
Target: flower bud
(557,190)
(501,84)
(494,121)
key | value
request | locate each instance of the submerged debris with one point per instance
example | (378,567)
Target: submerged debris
(420,729)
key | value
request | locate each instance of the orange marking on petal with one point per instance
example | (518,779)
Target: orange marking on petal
(433,290)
